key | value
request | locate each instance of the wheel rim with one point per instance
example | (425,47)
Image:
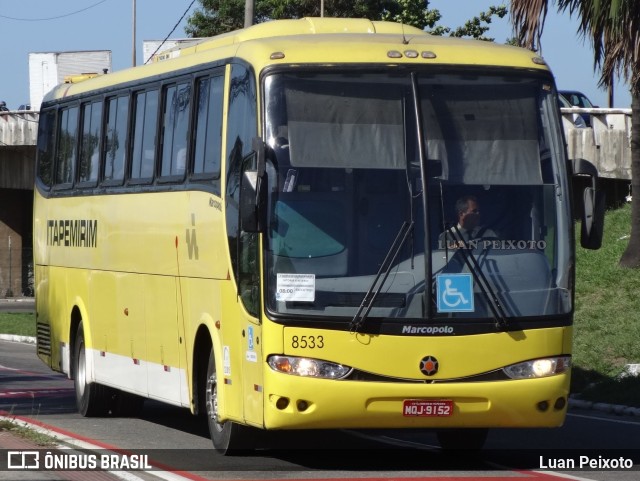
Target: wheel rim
(212,402)
(81,374)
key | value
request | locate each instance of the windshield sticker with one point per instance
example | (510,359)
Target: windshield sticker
(296,287)
(455,292)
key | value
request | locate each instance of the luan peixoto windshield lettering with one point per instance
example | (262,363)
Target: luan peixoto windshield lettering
(498,244)
(72,232)
(427,330)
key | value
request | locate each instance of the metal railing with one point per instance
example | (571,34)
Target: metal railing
(606,143)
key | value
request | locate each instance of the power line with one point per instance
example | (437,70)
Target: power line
(52,18)
(172,30)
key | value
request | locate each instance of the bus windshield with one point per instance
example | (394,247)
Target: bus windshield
(462,169)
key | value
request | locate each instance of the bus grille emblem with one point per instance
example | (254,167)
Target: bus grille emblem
(429,366)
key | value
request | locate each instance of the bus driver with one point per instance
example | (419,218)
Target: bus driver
(468,228)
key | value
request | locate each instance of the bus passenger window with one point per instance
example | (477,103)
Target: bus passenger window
(144,138)
(175,126)
(46,142)
(89,161)
(208,127)
(67,137)
(115,144)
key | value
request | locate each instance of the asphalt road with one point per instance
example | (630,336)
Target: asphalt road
(179,442)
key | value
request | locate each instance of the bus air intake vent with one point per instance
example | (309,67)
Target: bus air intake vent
(43,333)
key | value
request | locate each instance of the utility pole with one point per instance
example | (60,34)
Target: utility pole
(10,290)
(249,6)
(133,44)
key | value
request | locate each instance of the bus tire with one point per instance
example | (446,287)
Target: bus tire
(91,399)
(469,439)
(227,437)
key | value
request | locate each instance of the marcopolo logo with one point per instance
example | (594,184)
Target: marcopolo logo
(427,329)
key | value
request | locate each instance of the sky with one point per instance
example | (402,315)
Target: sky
(29,26)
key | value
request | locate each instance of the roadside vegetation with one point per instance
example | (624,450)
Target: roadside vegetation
(607,319)
(19,323)
(607,323)
(27,433)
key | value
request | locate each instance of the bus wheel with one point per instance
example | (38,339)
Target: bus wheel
(470,439)
(91,399)
(227,437)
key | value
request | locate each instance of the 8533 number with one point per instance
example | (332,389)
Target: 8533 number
(307,342)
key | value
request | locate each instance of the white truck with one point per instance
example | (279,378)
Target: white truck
(48,69)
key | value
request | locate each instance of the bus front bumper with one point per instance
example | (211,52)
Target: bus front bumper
(293,402)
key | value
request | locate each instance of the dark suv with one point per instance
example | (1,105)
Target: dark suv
(578,99)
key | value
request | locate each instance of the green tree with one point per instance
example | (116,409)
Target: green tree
(478,26)
(215,17)
(221,16)
(613,29)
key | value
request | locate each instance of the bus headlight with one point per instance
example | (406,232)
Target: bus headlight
(308,367)
(548,366)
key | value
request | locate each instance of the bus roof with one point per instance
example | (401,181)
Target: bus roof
(326,41)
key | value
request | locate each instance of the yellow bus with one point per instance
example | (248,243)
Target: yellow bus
(272,227)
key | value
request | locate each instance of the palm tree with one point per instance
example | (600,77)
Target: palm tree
(613,27)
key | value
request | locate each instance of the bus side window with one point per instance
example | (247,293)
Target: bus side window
(89,157)
(206,161)
(46,143)
(67,137)
(177,99)
(116,139)
(145,118)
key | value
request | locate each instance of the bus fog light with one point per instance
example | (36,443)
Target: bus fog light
(537,368)
(282,403)
(308,367)
(543,406)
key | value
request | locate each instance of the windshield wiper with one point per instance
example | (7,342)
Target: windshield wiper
(499,314)
(384,271)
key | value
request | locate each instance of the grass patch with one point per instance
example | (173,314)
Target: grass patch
(606,327)
(25,432)
(19,323)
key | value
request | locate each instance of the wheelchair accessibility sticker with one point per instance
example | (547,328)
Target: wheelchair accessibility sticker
(455,292)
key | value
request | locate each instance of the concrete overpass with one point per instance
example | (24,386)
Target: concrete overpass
(18,131)
(606,144)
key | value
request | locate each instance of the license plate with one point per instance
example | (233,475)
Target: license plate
(427,407)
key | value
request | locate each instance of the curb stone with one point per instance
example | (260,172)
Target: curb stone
(16,338)
(618,409)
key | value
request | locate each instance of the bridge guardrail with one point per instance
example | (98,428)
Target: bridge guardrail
(607,143)
(18,128)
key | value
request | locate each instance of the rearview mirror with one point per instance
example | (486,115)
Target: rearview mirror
(593,206)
